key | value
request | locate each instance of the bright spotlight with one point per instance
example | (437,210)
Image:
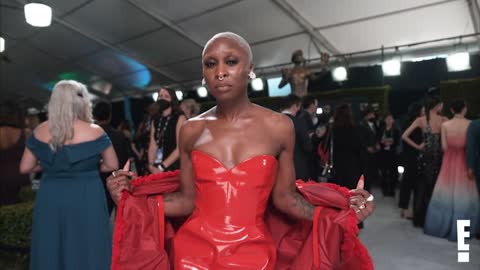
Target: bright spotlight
(339,74)
(400,169)
(39,15)
(257,84)
(391,67)
(319,110)
(2,44)
(458,61)
(155,96)
(179,95)
(202,91)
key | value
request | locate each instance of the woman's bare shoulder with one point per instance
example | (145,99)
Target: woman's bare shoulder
(96,129)
(275,121)
(41,132)
(191,130)
(85,131)
(422,119)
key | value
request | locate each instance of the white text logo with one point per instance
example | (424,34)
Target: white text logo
(463,254)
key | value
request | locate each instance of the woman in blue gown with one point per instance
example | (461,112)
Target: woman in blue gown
(70,220)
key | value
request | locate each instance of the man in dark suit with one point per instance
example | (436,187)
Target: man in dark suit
(307,118)
(370,142)
(473,151)
(102,113)
(303,143)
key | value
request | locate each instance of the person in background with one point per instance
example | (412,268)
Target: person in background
(431,154)
(308,115)
(412,174)
(163,152)
(455,195)
(369,139)
(321,141)
(303,149)
(349,156)
(71,228)
(12,143)
(31,122)
(102,114)
(190,107)
(473,151)
(142,138)
(390,137)
(125,128)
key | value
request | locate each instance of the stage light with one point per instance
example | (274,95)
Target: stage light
(155,96)
(339,74)
(257,84)
(458,61)
(39,15)
(400,169)
(202,91)
(391,68)
(2,44)
(179,95)
(319,110)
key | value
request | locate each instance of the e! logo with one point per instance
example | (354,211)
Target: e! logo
(461,235)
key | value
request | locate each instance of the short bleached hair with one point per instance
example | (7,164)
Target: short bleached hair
(240,41)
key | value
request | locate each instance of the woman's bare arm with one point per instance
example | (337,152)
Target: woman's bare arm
(109,160)
(285,196)
(181,203)
(408,131)
(29,162)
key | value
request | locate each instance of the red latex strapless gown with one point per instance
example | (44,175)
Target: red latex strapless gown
(227,229)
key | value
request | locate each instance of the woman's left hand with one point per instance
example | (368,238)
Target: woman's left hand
(362,201)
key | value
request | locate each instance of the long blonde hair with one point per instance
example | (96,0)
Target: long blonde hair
(69,101)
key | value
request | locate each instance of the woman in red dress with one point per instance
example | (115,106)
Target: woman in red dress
(233,158)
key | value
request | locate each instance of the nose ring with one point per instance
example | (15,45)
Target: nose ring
(221,78)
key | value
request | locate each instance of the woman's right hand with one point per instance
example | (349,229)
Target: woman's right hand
(117,182)
(421,146)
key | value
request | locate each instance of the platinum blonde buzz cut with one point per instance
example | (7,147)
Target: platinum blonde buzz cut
(237,38)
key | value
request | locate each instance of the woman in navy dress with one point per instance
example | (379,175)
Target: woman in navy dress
(70,220)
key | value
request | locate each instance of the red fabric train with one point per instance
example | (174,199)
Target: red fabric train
(143,236)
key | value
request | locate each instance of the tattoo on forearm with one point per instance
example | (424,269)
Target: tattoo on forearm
(170,197)
(302,207)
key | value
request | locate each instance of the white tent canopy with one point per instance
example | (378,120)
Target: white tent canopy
(133,46)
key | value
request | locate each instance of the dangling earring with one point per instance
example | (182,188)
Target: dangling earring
(203,82)
(252,75)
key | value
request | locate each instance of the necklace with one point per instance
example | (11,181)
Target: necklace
(161,128)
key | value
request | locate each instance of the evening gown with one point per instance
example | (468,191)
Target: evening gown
(227,228)
(455,196)
(431,161)
(70,229)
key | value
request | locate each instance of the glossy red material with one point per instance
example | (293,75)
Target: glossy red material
(227,229)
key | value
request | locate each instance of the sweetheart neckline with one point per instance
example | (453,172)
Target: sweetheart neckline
(236,165)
